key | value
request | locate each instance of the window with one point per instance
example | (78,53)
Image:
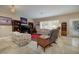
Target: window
(49,24)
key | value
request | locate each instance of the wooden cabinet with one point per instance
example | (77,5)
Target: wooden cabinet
(32,28)
(16,25)
(30,24)
(64,29)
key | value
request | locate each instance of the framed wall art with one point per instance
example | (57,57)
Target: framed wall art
(5,20)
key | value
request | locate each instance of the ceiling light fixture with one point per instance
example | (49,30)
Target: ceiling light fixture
(13,9)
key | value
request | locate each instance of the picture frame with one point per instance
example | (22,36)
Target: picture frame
(5,20)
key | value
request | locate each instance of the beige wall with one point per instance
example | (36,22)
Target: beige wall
(6,31)
(62,18)
(11,15)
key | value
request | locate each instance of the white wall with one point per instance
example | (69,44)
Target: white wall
(61,18)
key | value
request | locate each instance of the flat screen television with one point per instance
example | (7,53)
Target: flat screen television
(24,26)
(23,20)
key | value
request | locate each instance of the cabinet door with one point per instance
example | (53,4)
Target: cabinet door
(15,25)
(64,29)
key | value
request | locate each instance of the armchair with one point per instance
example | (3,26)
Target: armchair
(47,42)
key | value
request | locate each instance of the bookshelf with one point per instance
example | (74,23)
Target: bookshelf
(16,25)
(64,28)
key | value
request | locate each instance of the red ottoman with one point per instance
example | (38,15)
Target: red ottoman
(35,36)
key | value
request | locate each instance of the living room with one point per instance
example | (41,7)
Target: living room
(39,29)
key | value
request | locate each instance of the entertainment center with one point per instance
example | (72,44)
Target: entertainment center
(23,26)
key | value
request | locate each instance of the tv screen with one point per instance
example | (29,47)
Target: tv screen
(23,20)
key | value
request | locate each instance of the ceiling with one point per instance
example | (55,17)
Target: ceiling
(39,11)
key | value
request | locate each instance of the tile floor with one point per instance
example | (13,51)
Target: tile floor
(63,46)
